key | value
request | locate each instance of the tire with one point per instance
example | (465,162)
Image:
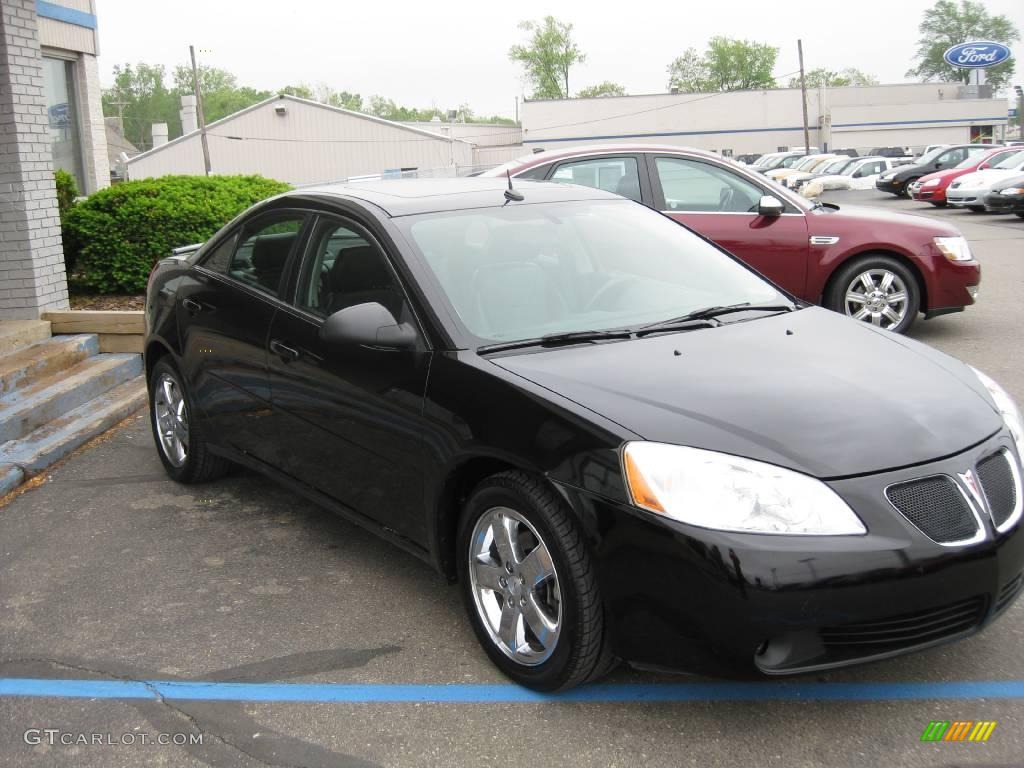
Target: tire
(975,208)
(184,454)
(848,280)
(565,601)
(938,203)
(902,192)
(1019,215)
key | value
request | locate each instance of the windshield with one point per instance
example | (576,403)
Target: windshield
(525,271)
(930,156)
(971,161)
(1013,161)
(792,160)
(836,166)
(807,163)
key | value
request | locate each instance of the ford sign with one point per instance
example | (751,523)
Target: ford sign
(978,55)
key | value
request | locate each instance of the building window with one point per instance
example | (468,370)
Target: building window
(59,84)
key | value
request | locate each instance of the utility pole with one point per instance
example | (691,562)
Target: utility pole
(199,109)
(120,114)
(803,96)
(517,110)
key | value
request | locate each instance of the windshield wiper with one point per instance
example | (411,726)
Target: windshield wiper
(707,313)
(557,340)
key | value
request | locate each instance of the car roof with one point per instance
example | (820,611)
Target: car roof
(407,197)
(627,148)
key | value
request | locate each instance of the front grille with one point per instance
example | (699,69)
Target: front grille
(906,630)
(936,507)
(1000,486)
(1008,593)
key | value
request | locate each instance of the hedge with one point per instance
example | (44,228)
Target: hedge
(116,234)
(67,191)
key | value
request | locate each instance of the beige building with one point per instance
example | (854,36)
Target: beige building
(304,142)
(911,115)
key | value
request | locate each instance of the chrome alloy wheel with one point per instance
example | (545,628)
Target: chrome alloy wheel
(171,419)
(515,586)
(877,296)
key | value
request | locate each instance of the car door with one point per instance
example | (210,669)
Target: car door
(722,205)
(349,416)
(621,174)
(224,310)
(864,177)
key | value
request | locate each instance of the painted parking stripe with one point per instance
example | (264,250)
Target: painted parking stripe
(504,693)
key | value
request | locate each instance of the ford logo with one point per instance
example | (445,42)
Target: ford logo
(977,55)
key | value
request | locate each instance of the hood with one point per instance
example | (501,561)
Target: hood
(986,177)
(925,227)
(947,175)
(809,390)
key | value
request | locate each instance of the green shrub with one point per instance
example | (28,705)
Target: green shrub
(118,233)
(67,191)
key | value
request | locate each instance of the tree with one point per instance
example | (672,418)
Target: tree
(817,78)
(606,88)
(547,57)
(946,24)
(140,96)
(301,91)
(222,95)
(726,65)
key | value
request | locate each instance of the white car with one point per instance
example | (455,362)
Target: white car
(860,175)
(969,190)
(832,167)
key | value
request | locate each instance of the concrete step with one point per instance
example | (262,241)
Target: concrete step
(15,334)
(27,409)
(30,455)
(44,358)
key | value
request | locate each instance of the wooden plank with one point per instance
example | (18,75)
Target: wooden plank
(121,342)
(96,321)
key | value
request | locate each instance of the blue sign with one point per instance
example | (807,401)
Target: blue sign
(977,55)
(59,116)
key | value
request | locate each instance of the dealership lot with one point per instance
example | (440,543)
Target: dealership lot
(111,573)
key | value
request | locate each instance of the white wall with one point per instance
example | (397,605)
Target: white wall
(761,121)
(310,143)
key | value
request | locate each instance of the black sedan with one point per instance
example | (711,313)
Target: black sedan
(620,441)
(1006,196)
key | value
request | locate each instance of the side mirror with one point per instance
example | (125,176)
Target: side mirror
(939,164)
(769,205)
(983,166)
(367,325)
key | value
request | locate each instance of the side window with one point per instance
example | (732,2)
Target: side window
(342,269)
(263,250)
(690,185)
(219,259)
(951,158)
(612,174)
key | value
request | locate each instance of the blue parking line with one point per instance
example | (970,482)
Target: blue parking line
(385,693)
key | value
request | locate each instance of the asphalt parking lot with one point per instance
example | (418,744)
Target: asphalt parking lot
(155,593)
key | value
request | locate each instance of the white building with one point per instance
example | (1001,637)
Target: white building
(913,114)
(302,142)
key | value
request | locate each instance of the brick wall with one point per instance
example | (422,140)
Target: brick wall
(32,277)
(94,130)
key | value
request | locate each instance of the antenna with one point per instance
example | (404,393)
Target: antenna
(511,194)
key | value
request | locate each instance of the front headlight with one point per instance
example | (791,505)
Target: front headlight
(954,248)
(931,183)
(1011,191)
(1006,407)
(887,175)
(729,493)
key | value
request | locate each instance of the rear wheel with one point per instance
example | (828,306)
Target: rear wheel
(177,431)
(876,289)
(529,585)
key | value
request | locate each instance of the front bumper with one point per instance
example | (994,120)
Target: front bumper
(893,185)
(959,198)
(688,598)
(927,194)
(999,203)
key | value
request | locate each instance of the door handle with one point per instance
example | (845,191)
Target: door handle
(286,353)
(191,306)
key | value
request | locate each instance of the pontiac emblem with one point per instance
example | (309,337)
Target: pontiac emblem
(968,479)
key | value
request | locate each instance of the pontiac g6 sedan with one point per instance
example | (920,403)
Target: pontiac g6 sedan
(619,440)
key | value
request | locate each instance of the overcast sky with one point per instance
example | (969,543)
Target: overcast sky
(445,53)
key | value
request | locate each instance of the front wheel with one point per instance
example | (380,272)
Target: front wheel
(176,430)
(529,585)
(975,208)
(938,203)
(1019,215)
(879,290)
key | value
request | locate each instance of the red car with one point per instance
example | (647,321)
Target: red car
(879,267)
(932,188)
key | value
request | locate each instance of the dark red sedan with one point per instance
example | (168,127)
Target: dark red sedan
(878,267)
(932,188)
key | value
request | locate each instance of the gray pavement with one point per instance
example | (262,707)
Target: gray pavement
(109,571)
